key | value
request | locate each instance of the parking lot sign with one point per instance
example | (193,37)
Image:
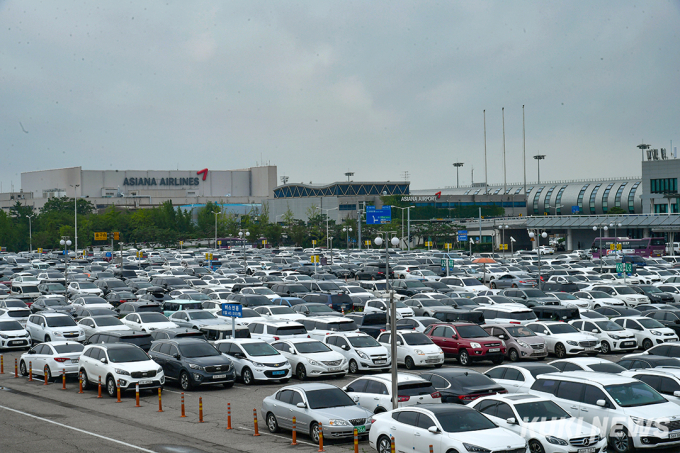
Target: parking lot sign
(378,216)
(232,310)
(462,235)
(100,236)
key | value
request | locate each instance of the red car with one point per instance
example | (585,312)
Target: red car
(467,342)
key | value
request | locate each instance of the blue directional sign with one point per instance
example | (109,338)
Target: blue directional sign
(108,254)
(378,216)
(462,235)
(575,210)
(232,310)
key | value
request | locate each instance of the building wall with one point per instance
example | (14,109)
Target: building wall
(657,169)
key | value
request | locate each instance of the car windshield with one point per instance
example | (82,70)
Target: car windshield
(565,296)
(319,309)
(153,317)
(108,321)
(536,371)
(87,285)
(649,323)
(535,293)
(326,398)
(562,328)
(519,332)
(414,284)
(599,295)
(10,325)
(539,411)
(501,300)
(649,289)
(281,311)
(470,282)
(342,326)
(473,379)
(60,321)
(259,349)
(124,355)
(460,421)
(612,368)
(416,339)
(472,332)
(56,302)
(363,341)
(634,394)
(430,303)
(263,291)
(608,326)
(201,315)
(195,350)
(625,290)
(311,347)
(93,300)
(69,347)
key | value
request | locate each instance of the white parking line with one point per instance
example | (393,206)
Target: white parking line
(77,429)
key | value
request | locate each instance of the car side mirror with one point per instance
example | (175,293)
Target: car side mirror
(676,393)
(595,331)
(103,360)
(177,356)
(32,351)
(677,321)
(511,421)
(454,336)
(601,403)
(501,336)
(433,429)
(345,347)
(301,405)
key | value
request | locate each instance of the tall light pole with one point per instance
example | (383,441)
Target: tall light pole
(329,209)
(66,243)
(534,234)
(30,233)
(241,235)
(605,228)
(457,165)
(348,230)
(216,214)
(75,213)
(503,228)
(539,158)
(393,317)
(615,226)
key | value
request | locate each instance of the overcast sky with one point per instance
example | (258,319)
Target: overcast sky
(319,88)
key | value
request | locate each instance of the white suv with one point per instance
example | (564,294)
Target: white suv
(362,351)
(320,326)
(374,392)
(271,331)
(255,360)
(122,363)
(45,327)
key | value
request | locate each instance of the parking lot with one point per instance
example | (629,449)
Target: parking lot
(36,417)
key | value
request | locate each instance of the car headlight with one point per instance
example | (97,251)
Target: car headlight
(475,448)
(644,422)
(615,337)
(523,344)
(419,351)
(313,362)
(2,335)
(120,371)
(193,366)
(572,343)
(655,332)
(475,345)
(58,334)
(556,440)
(362,355)
(258,364)
(159,371)
(337,422)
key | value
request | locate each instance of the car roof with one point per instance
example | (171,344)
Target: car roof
(115,345)
(182,340)
(592,377)
(526,366)
(47,315)
(401,377)
(309,386)
(240,340)
(515,398)
(582,360)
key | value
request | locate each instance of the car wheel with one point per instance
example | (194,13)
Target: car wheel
(597,306)
(439,365)
(47,373)
(560,351)
(83,376)
(228,385)
(606,349)
(22,368)
(620,441)
(514,357)
(272,424)
(535,446)
(247,376)
(497,360)
(314,432)
(300,372)
(384,445)
(185,381)
(111,387)
(647,343)
(493,285)
(514,285)
(409,363)
(464,358)
(353,367)
(47,338)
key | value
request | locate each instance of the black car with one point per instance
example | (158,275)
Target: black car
(177,332)
(373,271)
(249,300)
(192,362)
(52,288)
(450,315)
(290,289)
(655,295)
(136,337)
(84,312)
(315,309)
(145,306)
(616,312)
(648,361)
(337,302)
(170,283)
(137,284)
(665,350)
(110,284)
(153,294)
(462,385)
(560,287)
(54,304)
(556,313)
(118,297)
(371,323)
(669,318)
(409,288)
(438,286)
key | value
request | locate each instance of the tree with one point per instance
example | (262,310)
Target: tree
(616,210)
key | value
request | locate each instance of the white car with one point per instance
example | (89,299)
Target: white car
(626,294)
(423,275)
(414,349)
(417,323)
(148,321)
(13,335)
(545,425)
(122,363)
(599,299)
(665,380)
(362,351)
(648,332)
(593,364)
(467,284)
(15,314)
(80,288)
(45,327)
(91,302)
(613,337)
(261,291)
(52,359)
(312,358)
(570,300)
(271,331)
(320,326)
(563,339)
(448,428)
(518,377)
(374,392)
(255,360)
(96,324)
(279,313)
(381,306)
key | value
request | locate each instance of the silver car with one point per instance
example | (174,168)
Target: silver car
(314,404)
(195,319)
(513,281)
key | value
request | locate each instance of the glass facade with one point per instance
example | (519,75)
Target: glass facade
(579,201)
(538,194)
(665,185)
(546,200)
(617,198)
(605,198)
(591,204)
(631,198)
(558,200)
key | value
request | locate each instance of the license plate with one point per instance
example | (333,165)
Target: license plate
(590,349)
(587,450)
(16,342)
(495,350)
(278,373)
(380,362)
(673,435)
(74,360)
(219,376)
(146,381)
(361,429)
(335,368)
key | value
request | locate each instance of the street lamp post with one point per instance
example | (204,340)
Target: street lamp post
(605,228)
(543,235)
(457,165)
(393,317)
(348,230)
(241,235)
(75,213)
(539,158)
(66,243)
(503,228)
(30,233)
(329,209)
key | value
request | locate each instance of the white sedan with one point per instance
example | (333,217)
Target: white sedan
(564,339)
(95,324)
(279,313)
(311,358)
(52,359)
(148,321)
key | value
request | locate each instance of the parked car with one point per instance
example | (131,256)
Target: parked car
(564,339)
(587,364)
(520,341)
(255,360)
(648,332)
(13,335)
(518,377)
(374,392)
(45,327)
(361,351)
(52,359)
(414,349)
(613,337)
(461,386)
(312,358)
